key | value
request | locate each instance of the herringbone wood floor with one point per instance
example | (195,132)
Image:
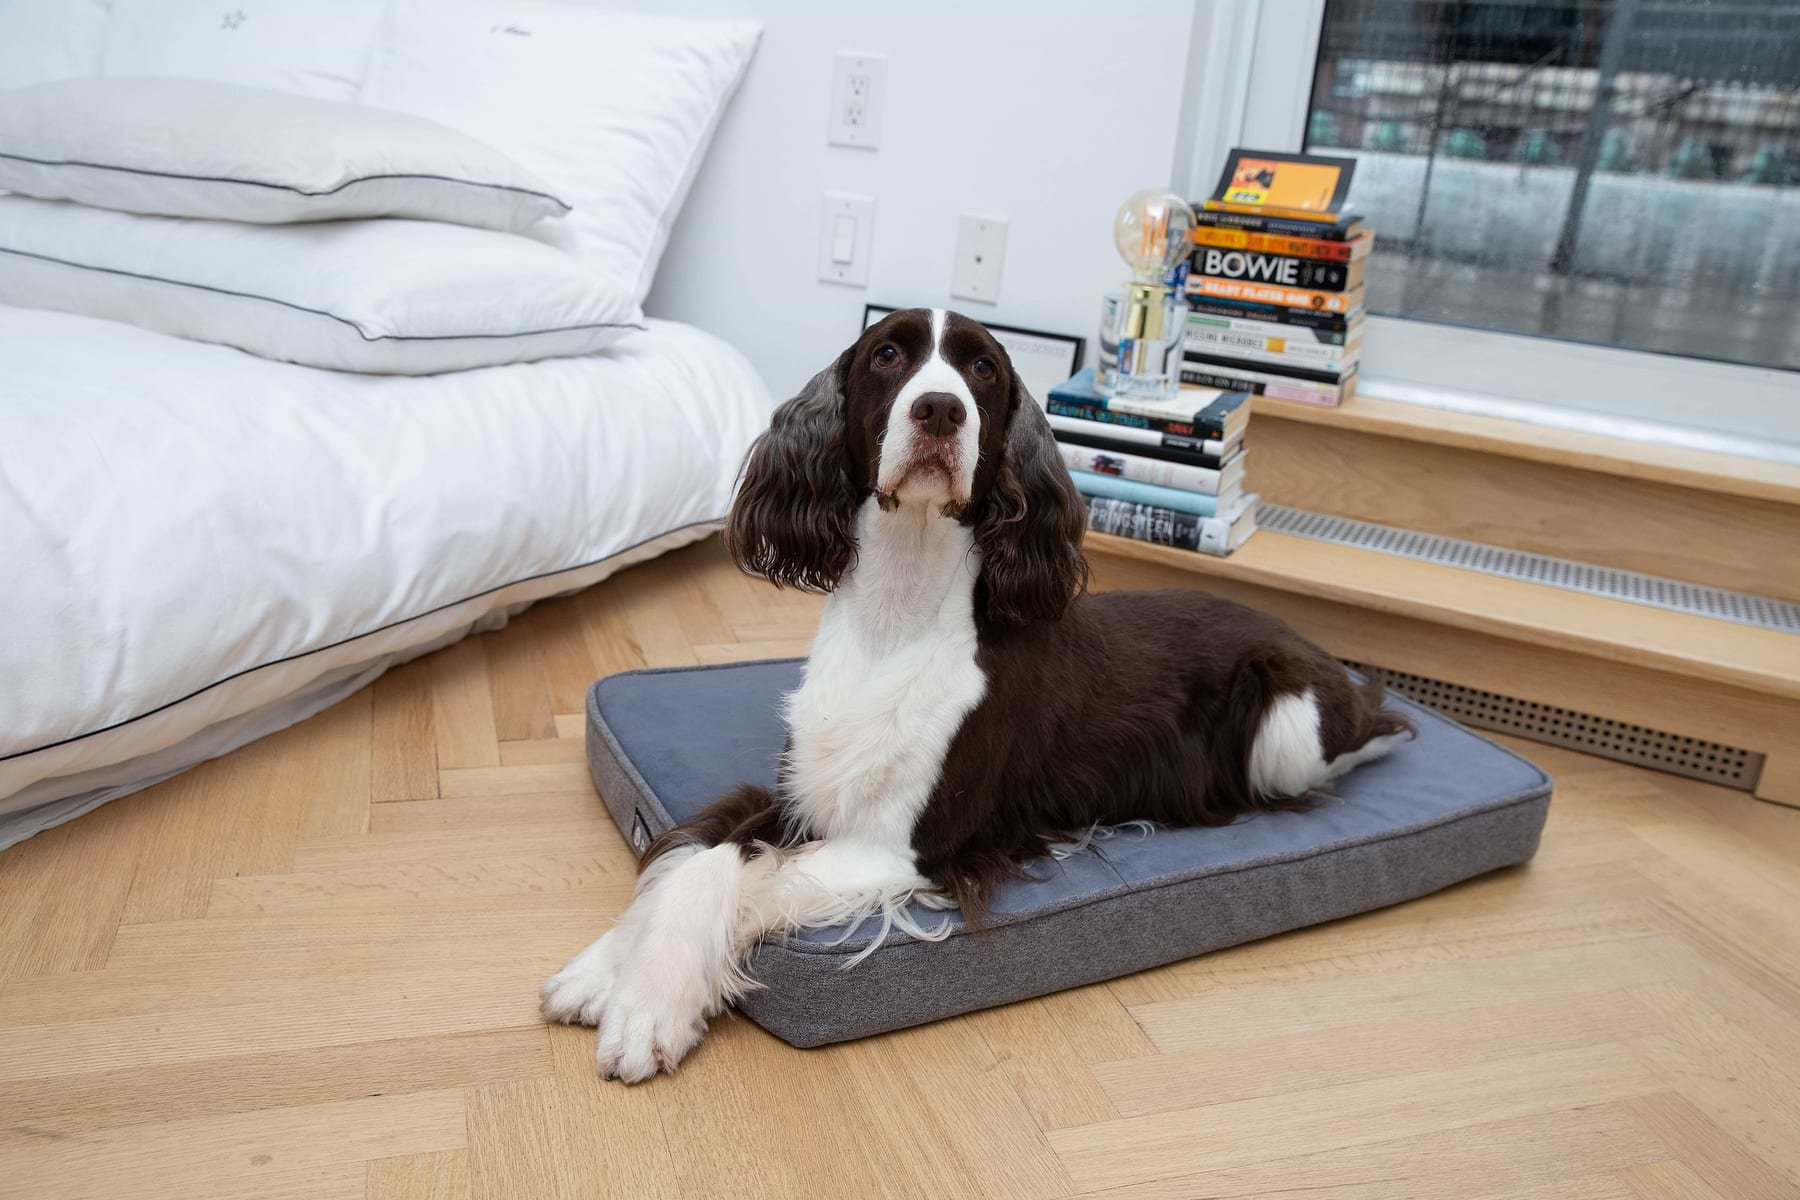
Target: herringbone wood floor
(310,970)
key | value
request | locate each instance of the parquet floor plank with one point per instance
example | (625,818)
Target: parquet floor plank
(308,970)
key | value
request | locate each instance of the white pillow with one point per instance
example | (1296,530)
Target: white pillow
(49,39)
(384,296)
(190,148)
(313,47)
(614,109)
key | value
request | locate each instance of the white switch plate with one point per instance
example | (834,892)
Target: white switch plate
(856,88)
(860,211)
(980,257)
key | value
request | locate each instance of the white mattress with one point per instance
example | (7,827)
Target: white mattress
(198,547)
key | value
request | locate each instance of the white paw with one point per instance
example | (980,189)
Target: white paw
(577,994)
(650,1023)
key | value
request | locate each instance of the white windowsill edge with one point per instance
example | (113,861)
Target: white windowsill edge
(1578,420)
(1753,412)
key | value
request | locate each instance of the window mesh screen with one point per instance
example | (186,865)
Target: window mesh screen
(1623,172)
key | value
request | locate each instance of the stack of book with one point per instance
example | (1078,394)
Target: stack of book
(1165,470)
(1275,291)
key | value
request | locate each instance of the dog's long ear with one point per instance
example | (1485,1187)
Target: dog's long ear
(1030,529)
(793,519)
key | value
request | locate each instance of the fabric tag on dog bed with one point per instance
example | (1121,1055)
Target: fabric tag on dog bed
(1441,808)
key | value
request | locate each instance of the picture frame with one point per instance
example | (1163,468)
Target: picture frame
(1041,358)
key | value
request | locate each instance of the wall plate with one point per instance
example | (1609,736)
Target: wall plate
(980,258)
(846,238)
(856,91)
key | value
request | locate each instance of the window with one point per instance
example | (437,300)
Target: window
(1587,211)
(1617,172)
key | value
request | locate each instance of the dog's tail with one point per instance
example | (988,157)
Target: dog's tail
(1257,687)
(1276,752)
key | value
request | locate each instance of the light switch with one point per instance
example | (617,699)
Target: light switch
(846,238)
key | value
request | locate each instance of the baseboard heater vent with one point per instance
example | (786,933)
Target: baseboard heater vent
(1634,744)
(1744,608)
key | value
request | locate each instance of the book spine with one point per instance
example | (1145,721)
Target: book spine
(1163,526)
(1204,359)
(1328,339)
(1166,527)
(1276,387)
(1273,314)
(1180,434)
(1326,220)
(1109,487)
(1229,238)
(1283,270)
(1257,223)
(1270,350)
(1183,409)
(1077,433)
(1268,293)
(1141,469)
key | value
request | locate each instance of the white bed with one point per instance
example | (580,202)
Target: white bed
(200,546)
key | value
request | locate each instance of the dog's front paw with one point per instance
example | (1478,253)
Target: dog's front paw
(576,995)
(649,1024)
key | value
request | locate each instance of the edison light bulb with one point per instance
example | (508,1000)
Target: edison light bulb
(1151,232)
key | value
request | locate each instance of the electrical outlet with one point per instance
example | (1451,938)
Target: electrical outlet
(856,87)
(980,256)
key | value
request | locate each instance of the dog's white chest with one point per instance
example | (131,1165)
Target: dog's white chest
(891,676)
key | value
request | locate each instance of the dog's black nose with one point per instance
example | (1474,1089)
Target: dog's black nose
(939,412)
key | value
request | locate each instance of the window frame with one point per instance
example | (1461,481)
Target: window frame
(1251,65)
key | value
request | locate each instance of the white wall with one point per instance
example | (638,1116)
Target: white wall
(1048,114)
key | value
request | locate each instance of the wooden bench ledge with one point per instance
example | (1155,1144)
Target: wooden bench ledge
(1760,660)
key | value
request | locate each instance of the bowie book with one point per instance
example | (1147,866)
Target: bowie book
(1253,266)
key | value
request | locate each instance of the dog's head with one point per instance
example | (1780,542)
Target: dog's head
(923,409)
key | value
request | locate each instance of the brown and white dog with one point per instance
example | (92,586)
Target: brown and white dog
(965,706)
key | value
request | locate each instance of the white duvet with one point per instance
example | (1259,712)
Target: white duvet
(198,547)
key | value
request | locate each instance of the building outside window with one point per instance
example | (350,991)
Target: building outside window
(1625,173)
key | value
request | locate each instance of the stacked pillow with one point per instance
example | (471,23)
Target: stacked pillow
(497,187)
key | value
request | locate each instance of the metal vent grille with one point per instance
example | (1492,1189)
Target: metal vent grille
(1652,590)
(1695,759)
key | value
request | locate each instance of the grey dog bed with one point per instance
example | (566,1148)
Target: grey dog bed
(1444,807)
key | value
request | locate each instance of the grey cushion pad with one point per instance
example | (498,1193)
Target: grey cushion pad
(1442,808)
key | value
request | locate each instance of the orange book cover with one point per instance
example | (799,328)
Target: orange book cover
(1301,187)
(1268,293)
(1228,237)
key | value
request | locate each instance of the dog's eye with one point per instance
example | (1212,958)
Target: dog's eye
(984,368)
(886,356)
